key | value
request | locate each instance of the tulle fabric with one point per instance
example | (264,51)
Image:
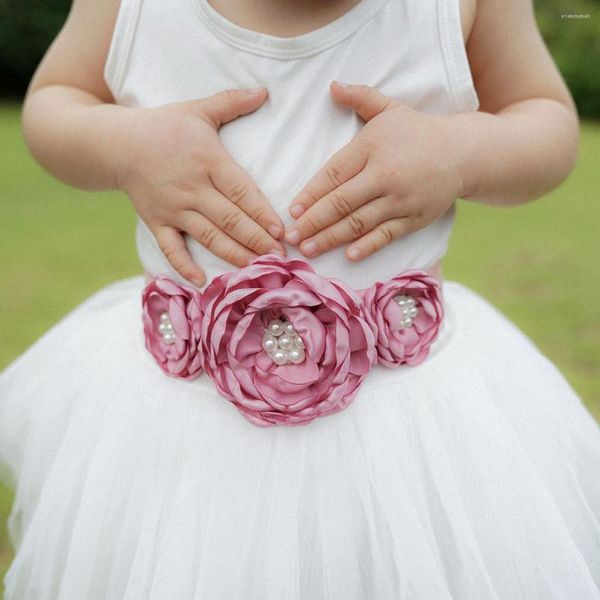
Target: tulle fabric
(472,476)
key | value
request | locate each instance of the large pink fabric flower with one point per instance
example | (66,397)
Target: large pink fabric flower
(405,313)
(172,317)
(338,346)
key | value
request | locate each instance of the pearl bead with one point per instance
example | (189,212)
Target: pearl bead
(275,327)
(169,338)
(403,300)
(164,327)
(285,342)
(282,343)
(280,357)
(269,343)
(164,318)
(408,308)
(297,355)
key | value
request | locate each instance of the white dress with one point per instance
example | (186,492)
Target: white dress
(472,476)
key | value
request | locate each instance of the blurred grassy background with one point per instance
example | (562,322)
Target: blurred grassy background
(538,263)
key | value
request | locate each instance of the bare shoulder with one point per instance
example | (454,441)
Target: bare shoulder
(468,10)
(507,54)
(78,53)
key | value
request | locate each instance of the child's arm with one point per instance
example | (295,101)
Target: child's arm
(405,168)
(525,141)
(165,158)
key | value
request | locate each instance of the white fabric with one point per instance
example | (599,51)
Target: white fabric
(411,50)
(473,476)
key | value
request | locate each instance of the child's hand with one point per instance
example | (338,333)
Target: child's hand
(180,179)
(397,175)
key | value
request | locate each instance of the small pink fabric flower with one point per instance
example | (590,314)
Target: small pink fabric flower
(405,313)
(172,317)
(284,344)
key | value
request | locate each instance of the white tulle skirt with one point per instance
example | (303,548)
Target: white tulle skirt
(473,476)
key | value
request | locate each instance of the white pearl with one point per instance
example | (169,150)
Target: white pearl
(413,311)
(169,338)
(408,300)
(289,328)
(269,343)
(297,355)
(400,300)
(280,357)
(406,322)
(285,342)
(164,318)
(298,341)
(164,327)
(275,327)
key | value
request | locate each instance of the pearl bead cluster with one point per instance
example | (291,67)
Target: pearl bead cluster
(409,309)
(282,343)
(165,328)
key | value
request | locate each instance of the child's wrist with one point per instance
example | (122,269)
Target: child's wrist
(515,155)
(465,135)
(107,129)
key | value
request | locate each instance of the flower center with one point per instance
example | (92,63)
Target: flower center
(165,328)
(282,343)
(409,309)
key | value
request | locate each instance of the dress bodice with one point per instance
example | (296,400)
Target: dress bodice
(411,50)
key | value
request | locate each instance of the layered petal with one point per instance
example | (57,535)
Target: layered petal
(405,314)
(337,344)
(172,320)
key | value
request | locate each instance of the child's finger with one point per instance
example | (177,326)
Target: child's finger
(236,223)
(228,105)
(216,241)
(334,206)
(367,101)
(343,165)
(352,227)
(172,245)
(379,237)
(232,180)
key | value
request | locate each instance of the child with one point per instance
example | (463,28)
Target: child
(293,403)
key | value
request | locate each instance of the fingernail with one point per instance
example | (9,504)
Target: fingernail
(196,282)
(342,84)
(353,253)
(255,91)
(296,210)
(293,237)
(279,251)
(309,248)
(275,231)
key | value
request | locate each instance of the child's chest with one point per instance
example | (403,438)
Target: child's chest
(287,19)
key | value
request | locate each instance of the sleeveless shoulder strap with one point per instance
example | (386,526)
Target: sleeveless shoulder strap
(460,79)
(120,44)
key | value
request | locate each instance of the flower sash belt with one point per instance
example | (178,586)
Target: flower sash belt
(284,344)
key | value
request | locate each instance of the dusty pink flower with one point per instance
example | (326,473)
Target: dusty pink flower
(172,318)
(337,344)
(384,309)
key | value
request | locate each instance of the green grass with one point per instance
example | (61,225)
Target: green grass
(538,262)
